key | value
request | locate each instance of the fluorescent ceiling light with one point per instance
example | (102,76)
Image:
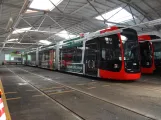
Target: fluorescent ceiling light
(44,4)
(118,15)
(45,42)
(30,11)
(65,34)
(16,31)
(10,40)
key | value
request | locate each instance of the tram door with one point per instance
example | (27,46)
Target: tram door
(91,58)
(51,58)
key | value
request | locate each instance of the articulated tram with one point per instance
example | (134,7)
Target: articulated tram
(150,52)
(112,53)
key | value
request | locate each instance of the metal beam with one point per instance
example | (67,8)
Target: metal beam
(139,10)
(132,15)
(82,7)
(42,22)
(151,8)
(55,6)
(97,11)
(41,31)
(57,24)
(19,43)
(76,10)
(33,16)
(116,13)
(1,8)
(17,22)
(11,48)
(20,39)
(27,22)
(66,5)
(142,19)
(136,8)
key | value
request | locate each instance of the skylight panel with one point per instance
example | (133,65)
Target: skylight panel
(45,42)
(65,34)
(16,31)
(44,4)
(118,15)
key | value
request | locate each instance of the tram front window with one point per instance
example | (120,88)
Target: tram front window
(146,54)
(131,50)
(157,53)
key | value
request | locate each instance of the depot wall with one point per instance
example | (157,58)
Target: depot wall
(2,55)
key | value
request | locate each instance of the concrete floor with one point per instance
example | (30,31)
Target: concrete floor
(39,94)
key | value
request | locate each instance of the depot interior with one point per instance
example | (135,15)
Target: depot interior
(111,41)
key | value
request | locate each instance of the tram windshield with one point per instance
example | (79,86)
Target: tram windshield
(130,45)
(157,53)
(146,54)
(131,50)
(157,50)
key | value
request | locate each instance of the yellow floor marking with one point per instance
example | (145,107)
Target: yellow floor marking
(13,98)
(105,85)
(61,92)
(79,84)
(91,88)
(37,95)
(52,88)
(10,93)
(5,102)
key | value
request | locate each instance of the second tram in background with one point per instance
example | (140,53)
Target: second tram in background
(150,51)
(112,53)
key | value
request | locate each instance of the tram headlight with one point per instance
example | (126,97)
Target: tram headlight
(116,66)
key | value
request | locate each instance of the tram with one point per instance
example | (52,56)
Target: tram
(150,52)
(112,53)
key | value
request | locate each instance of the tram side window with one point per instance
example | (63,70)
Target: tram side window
(40,57)
(77,56)
(110,53)
(46,55)
(110,49)
(73,55)
(33,56)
